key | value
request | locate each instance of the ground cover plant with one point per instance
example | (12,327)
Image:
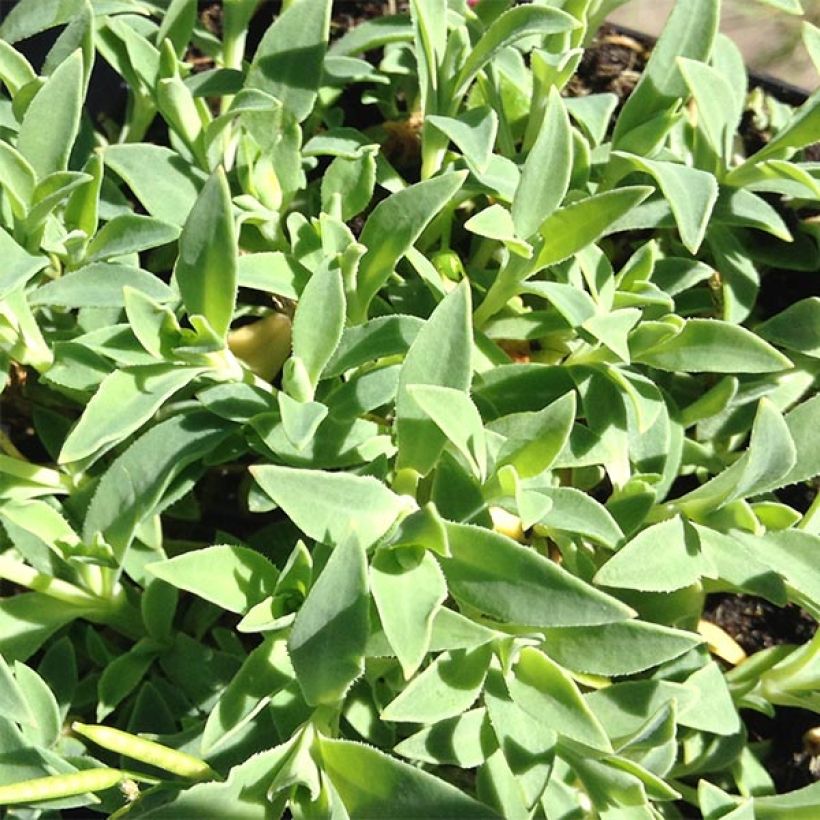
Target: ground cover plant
(382,409)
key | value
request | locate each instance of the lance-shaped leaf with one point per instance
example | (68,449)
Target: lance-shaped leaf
(373,784)
(447,687)
(713,346)
(329,636)
(448,329)
(288,62)
(161,180)
(457,417)
(408,589)
(393,227)
(691,194)
(689,32)
(617,649)
(264,672)
(232,577)
(130,233)
(52,120)
(534,439)
(473,132)
(100,285)
(548,694)
(507,29)
(573,227)
(662,558)
(546,173)
(766,464)
(319,320)
(18,265)
(135,482)
(331,507)
(206,267)
(464,741)
(514,584)
(124,402)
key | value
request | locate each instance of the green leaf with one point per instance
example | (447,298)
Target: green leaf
(130,233)
(373,784)
(232,577)
(473,132)
(272,272)
(515,584)
(288,62)
(17,178)
(790,553)
(447,687)
(18,265)
(577,513)
(122,676)
(803,422)
(13,704)
(162,181)
(352,180)
(534,439)
(574,305)
(383,336)
(571,228)
(661,558)
(419,439)
(100,285)
(126,400)
(133,485)
(464,741)
(496,222)
(42,705)
(713,346)
(796,328)
(549,159)
(52,120)
(206,268)
(789,6)
(393,227)
(715,101)
(15,70)
(511,26)
(548,694)
(456,416)
(319,321)
(178,24)
(617,649)
(767,462)
(408,589)
(691,194)
(331,507)
(264,672)
(329,636)
(689,32)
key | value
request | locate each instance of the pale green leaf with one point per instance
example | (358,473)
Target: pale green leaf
(232,577)
(447,687)
(515,584)
(419,439)
(408,589)
(548,694)
(331,507)
(125,401)
(373,784)
(327,643)
(206,267)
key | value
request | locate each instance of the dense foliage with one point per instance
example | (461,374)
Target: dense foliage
(378,418)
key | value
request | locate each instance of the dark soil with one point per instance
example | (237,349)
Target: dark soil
(612,63)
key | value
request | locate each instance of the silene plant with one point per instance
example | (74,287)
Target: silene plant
(382,410)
